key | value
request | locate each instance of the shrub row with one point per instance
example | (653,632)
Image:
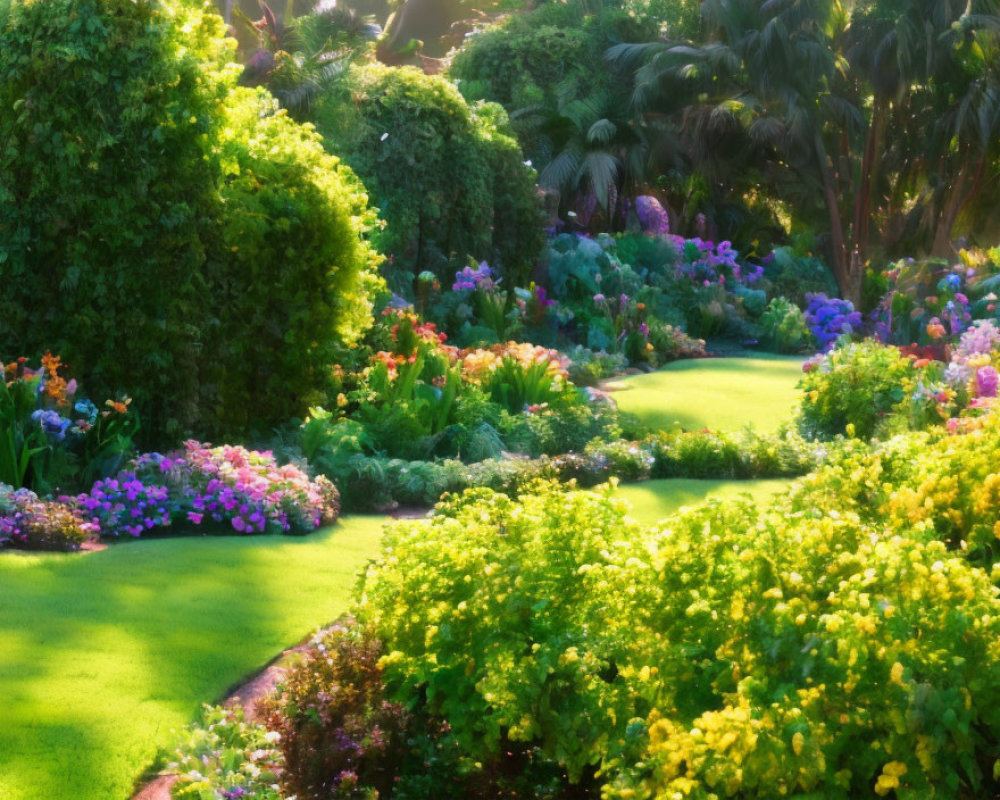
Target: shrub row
(371,483)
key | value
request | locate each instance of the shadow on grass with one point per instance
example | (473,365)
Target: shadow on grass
(101,655)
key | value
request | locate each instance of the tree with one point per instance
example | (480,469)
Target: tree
(845,94)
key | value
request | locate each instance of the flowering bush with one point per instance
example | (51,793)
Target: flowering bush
(517,376)
(728,653)
(125,505)
(852,389)
(652,216)
(244,489)
(830,318)
(50,432)
(32,524)
(934,301)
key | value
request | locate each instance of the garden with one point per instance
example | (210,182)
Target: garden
(584,400)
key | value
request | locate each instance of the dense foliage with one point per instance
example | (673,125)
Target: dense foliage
(700,659)
(173,237)
(546,67)
(844,109)
(448,178)
(376,482)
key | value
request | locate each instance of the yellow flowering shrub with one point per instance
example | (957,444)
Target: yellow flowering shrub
(729,652)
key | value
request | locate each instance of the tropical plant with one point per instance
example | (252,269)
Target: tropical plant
(568,108)
(833,90)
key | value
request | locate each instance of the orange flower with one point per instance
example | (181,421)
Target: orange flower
(55,386)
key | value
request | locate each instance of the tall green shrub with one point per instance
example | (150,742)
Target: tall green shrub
(448,178)
(171,236)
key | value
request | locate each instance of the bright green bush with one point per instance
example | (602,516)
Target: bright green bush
(852,389)
(297,279)
(448,178)
(784,327)
(730,653)
(171,236)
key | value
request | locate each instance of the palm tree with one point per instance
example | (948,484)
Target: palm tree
(591,143)
(835,89)
(298,57)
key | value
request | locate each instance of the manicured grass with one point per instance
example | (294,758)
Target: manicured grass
(653,500)
(102,654)
(718,393)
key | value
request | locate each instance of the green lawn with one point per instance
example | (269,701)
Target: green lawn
(653,500)
(717,393)
(102,654)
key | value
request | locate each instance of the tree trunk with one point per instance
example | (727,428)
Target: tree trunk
(869,169)
(959,194)
(838,257)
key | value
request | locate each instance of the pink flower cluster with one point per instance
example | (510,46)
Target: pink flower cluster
(247,488)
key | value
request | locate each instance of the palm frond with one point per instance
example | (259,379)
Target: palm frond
(601,170)
(561,171)
(603,131)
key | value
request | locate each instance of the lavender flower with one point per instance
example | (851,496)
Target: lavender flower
(986,382)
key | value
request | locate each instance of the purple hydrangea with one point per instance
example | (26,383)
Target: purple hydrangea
(829,318)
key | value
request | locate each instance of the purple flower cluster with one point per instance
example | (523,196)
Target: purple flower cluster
(223,502)
(652,216)
(126,505)
(243,488)
(987,380)
(829,318)
(707,263)
(981,338)
(470,279)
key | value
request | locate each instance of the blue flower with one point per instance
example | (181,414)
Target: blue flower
(87,409)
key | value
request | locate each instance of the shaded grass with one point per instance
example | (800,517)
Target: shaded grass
(718,393)
(101,655)
(653,500)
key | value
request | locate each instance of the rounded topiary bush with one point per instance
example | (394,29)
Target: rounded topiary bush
(173,237)
(448,178)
